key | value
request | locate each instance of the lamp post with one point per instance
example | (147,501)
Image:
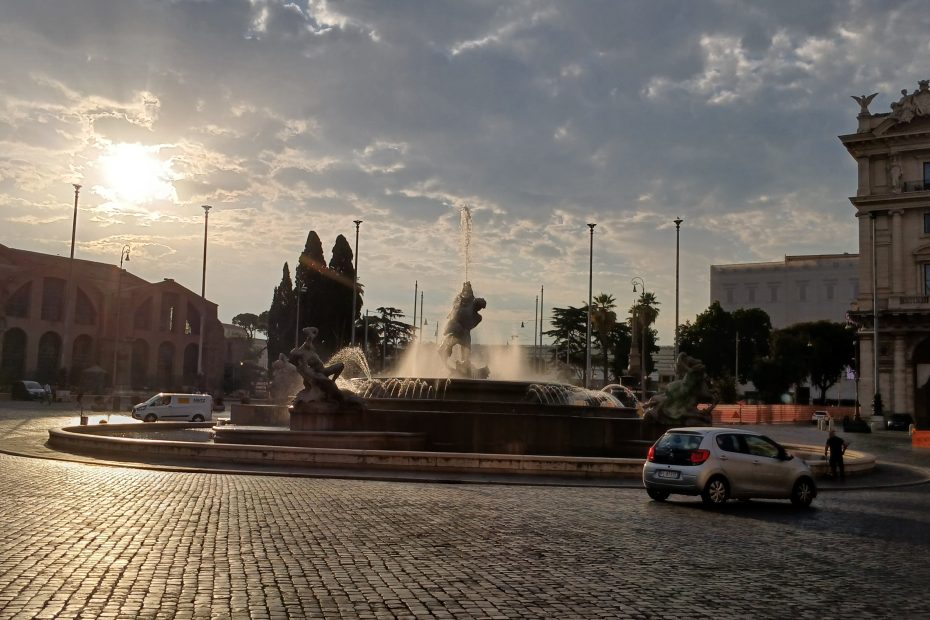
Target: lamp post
(68,304)
(587,355)
(642,344)
(678,222)
(421,316)
(123,254)
(355,283)
(300,289)
(876,390)
(203,297)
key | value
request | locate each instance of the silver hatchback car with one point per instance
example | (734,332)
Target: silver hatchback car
(723,463)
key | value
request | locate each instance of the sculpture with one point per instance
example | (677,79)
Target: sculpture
(864,101)
(677,406)
(320,390)
(464,317)
(285,380)
(910,105)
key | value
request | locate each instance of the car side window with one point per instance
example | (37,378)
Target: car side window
(760,446)
(728,443)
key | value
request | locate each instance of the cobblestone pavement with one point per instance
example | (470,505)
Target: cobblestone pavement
(86,541)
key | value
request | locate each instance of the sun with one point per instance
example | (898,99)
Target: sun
(135,173)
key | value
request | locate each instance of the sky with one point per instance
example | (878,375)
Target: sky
(539,116)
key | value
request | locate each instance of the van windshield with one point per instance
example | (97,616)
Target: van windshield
(158,399)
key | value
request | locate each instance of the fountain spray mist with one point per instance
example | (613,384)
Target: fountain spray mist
(465,236)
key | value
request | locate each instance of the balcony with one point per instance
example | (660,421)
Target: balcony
(916,186)
(909,302)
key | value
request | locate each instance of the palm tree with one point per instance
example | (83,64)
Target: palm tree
(643,314)
(603,319)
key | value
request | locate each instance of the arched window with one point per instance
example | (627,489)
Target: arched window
(13,362)
(53,298)
(49,358)
(84,312)
(189,375)
(193,320)
(143,316)
(165,370)
(139,373)
(18,303)
(82,355)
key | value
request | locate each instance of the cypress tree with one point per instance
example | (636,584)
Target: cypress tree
(281,317)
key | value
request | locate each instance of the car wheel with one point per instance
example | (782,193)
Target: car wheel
(803,493)
(715,492)
(197,418)
(151,418)
(659,496)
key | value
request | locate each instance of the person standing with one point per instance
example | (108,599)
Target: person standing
(48,394)
(836,448)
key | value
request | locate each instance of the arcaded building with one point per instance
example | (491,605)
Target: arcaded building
(892,201)
(80,322)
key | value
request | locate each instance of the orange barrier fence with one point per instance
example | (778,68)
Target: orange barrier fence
(775,414)
(920,439)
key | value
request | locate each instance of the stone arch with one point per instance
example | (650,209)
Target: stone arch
(191,357)
(921,366)
(49,361)
(82,355)
(164,370)
(139,366)
(13,361)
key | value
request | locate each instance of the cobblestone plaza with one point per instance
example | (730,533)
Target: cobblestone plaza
(85,540)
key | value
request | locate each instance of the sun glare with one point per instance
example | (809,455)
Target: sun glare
(136,174)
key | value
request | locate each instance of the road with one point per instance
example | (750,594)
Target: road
(89,541)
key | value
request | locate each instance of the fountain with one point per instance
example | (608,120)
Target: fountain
(454,406)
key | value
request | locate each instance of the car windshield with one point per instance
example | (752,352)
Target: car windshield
(32,385)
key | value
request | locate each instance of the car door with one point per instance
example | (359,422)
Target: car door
(736,463)
(773,475)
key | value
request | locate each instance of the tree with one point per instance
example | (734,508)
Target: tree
(620,342)
(642,315)
(787,364)
(569,331)
(281,317)
(392,333)
(341,275)
(710,339)
(828,349)
(603,320)
(251,323)
(753,329)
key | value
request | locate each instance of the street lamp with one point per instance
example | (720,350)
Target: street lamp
(300,289)
(876,389)
(642,344)
(355,284)
(68,303)
(587,357)
(203,297)
(678,222)
(123,255)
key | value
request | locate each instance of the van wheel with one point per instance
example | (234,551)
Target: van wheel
(151,418)
(716,491)
(197,418)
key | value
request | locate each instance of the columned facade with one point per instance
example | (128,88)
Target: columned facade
(892,202)
(73,340)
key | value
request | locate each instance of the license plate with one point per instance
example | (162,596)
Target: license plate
(667,473)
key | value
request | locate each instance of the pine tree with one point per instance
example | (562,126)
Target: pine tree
(342,278)
(281,317)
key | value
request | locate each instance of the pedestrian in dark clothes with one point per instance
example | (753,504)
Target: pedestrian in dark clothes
(836,448)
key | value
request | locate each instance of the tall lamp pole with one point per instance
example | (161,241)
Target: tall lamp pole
(69,304)
(123,254)
(355,283)
(876,390)
(587,356)
(678,222)
(203,297)
(642,344)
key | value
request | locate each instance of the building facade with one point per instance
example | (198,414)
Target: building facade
(799,289)
(892,201)
(93,325)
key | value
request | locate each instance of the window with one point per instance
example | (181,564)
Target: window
(927,223)
(761,446)
(830,290)
(773,293)
(18,303)
(751,294)
(927,279)
(729,295)
(926,174)
(84,312)
(53,297)
(728,443)
(802,291)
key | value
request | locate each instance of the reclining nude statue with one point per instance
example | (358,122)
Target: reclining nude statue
(677,406)
(464,317)
(319,380)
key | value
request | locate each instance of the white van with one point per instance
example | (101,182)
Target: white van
(175,407)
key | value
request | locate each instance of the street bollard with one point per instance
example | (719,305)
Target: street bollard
(84,419)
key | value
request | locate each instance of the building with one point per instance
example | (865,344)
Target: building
(799,289)
(60,321)
(892,201)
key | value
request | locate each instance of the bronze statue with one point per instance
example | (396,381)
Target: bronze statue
(464,317)
(678,404)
